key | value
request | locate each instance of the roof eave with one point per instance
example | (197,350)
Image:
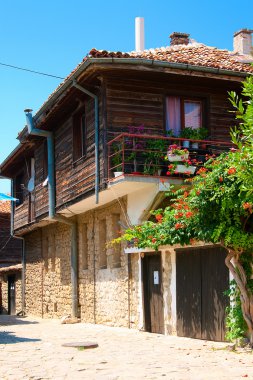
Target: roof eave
(134,61)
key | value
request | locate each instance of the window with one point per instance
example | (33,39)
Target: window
(183,112)
(19,189)
(79,136)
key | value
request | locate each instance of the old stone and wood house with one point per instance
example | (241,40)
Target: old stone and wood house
(108,115)
(10,264)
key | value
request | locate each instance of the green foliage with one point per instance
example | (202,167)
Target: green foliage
(200,133)
(215,206)
(116,156)
(235,323)
(154,154)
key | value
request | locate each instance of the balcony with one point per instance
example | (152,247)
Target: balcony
(145,156)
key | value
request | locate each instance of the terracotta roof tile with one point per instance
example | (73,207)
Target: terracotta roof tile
(194,54)
(5,207)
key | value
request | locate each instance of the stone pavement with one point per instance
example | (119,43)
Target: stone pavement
(31,348)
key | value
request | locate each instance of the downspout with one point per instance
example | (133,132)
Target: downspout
(96,111)
(23,261)
(51,206)
(50,158)
(23,258)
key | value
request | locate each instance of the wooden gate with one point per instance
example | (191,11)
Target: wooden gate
(153,299)
(202,278)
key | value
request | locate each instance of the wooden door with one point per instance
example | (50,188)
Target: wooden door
(215,280)
(11,295)
(202,278)
(188,297)
(153,298)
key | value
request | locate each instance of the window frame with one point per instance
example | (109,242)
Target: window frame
(18,189)
(195,98)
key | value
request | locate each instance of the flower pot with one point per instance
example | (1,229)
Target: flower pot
(183,168)
(195,145)
(117,174)
(186,143)
(177,157)
(203,146)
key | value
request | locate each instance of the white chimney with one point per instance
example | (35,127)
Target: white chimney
(139,34)
(243,41)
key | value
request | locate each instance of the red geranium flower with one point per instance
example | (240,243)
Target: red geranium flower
(231,171)
(178,225)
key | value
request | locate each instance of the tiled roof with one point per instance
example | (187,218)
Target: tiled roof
(196,54)
(193,54)
(5,207)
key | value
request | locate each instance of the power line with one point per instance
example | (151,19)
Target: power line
(30,71)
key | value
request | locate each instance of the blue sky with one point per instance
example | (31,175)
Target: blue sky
(53,37)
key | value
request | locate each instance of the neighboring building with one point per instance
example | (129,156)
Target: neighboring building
(10,264)
(70,205)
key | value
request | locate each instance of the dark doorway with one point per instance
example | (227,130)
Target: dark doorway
(202,278)
(153,298)
(11,295)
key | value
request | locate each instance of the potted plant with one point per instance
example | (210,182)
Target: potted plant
(117,160)
(186,133)
(199,134)
(154,156)
(175,153)
(186,166)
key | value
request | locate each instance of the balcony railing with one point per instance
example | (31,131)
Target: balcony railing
(146,155)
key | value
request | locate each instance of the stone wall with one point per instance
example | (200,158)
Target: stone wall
(104,287)
(107,295)
(34,273)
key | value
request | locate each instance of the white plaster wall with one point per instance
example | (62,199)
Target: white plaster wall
(139,201)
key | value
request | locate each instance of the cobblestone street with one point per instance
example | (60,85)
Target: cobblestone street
(31,348)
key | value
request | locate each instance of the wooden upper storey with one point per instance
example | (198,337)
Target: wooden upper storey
(128,96)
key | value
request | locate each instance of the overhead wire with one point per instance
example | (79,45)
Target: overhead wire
(30,71)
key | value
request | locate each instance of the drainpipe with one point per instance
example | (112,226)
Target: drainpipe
(96,110)
(50,157)
(23,261)
(51,205)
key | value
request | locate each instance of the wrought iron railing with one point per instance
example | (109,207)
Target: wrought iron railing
(143,154)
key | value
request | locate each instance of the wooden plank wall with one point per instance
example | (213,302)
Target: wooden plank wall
(10,248)
(143,102)
(129,102)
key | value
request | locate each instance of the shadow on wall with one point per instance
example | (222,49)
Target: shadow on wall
(9,320)
(8,337)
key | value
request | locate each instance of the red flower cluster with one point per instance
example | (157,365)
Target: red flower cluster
(202,171)
(179,215)
(159,217)
(189,214)
(231,171)
(247,206)
(178,226)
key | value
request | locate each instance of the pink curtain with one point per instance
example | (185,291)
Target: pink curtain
(173,116)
